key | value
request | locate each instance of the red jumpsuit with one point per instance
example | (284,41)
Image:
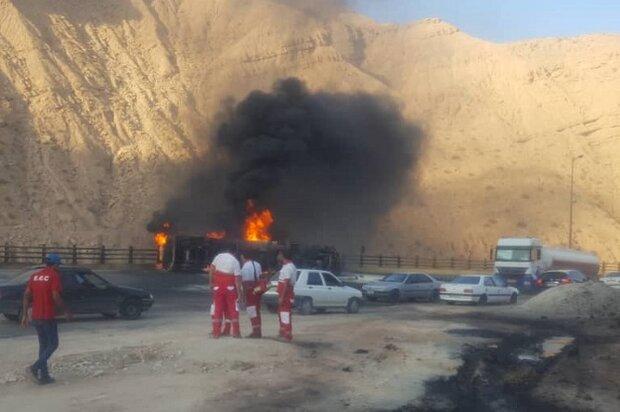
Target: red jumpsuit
(286,296)
(252,301)
(224,303)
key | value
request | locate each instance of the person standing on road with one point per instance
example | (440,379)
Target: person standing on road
(225,281)
(43,291)
(286,295)
(250,275)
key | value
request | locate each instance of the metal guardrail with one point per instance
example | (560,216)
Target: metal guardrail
(419,262)
(10,254)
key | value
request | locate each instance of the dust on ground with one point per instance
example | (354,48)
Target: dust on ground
(406,357)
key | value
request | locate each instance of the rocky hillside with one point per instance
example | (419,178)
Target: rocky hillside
(103,105)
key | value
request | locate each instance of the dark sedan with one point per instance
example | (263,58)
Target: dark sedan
(555,278)
(84,292)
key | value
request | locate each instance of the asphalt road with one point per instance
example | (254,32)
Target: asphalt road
(173,292)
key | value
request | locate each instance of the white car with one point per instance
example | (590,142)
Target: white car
(480,289)
(612,279)
(318,289)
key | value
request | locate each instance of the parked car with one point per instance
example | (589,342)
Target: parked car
(612,279)
(84,292)
(553,278)
(480,289)
(318,290)
(403,286)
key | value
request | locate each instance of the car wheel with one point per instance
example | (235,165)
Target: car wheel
(434,296)
(272,308)
(306,307)
(353,306)
(483,300)
(394,296)
(109,315)
(131,310)
(449,302)
(321,310)
(371,298)
(514,298)
(12,318)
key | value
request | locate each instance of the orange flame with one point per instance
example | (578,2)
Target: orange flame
(216,235)
(257,224)
(161,239)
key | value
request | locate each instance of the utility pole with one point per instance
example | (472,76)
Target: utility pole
(572,200)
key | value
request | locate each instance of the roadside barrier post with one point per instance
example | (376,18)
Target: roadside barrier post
(43,253)
(7,252)
(130,256)
(102,255)
(74,255)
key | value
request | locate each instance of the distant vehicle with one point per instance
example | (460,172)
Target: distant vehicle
(318,290)
(555,278)
(193,252)
(480,289)
(403,286)
(521,261)
(84,292)
(612,279)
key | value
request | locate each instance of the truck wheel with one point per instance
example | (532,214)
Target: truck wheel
(394,296)
(306,307)
(353,306)
(483,300)
(12,318)
(514,298)
(131,310)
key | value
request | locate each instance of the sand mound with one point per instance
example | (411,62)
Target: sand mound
(586,300)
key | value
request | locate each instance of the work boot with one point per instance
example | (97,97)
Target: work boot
(47,379)
(36,375)
(255,335)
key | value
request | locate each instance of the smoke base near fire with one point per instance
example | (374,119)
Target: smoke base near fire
(327,165)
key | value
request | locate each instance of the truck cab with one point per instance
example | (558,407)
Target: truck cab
(519,261)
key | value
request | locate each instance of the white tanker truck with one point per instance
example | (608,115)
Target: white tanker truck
(522,260)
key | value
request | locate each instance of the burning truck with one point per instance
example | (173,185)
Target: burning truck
(329,166)
(184,251)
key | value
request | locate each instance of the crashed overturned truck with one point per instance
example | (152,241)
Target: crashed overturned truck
(192,253)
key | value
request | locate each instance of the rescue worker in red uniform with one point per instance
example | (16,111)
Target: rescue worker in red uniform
(251,272)
(43,291)
(286,295)
(225,281)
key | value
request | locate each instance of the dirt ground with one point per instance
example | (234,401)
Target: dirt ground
(417,356)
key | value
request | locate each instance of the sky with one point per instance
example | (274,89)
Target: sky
(504,20)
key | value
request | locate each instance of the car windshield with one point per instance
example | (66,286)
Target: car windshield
(508,254)
(22,277)
(467,280)
(95,280)
(553,275)
(276,276)
(394,278)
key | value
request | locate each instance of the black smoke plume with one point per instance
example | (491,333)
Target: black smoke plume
(326,164)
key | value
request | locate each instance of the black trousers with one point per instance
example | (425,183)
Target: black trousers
(47,330)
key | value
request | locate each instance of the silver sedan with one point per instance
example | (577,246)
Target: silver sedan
(403,286)
(612,279)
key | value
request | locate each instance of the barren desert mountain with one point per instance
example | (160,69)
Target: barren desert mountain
(105,105)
